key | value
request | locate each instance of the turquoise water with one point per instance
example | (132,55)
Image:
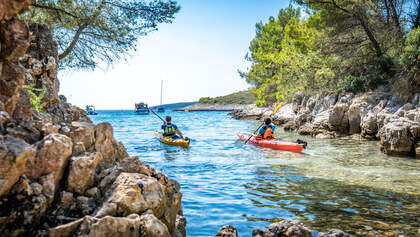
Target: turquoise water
(335,183)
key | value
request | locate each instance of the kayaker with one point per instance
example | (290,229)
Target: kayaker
(267,131)
(169,129)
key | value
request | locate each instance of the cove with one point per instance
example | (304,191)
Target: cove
(335,183)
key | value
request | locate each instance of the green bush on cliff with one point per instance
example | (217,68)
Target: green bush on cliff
(36,97)
(338,45)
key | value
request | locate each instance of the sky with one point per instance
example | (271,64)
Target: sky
(198,55)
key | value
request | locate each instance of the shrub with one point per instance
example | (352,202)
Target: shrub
(36,99)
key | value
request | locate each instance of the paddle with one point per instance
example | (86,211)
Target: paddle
(157,115)
(278,106)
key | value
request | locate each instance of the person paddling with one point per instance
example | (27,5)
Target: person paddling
(169,128)
(267,131)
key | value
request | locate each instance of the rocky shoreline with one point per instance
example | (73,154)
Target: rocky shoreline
(392,119)
(211,107)
(61,175)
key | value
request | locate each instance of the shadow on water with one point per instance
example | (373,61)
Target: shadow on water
(326,204)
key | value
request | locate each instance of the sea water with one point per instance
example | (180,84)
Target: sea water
(336,183)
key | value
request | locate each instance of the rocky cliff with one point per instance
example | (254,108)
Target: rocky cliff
(61,175)
(394,120)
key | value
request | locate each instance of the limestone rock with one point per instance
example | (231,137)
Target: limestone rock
(52,156)
(14,153)
(82,171)
(83,132)
(104,142)
(152,226)
(48,186)
(136,193)
(338,118)
(78,148)
(180,224)
(289,228)
(396,137)
(227,231)
(9,9)
(49,128)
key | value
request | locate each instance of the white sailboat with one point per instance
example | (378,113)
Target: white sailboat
(160,108)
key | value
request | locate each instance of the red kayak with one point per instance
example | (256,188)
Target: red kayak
(274,143)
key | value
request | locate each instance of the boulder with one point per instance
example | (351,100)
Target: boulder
(82,171)
(14,153)
(152,226)
(180,224)
(83,132)
(289,228)
(286,228)
(104,143)
(227,231)
(52,155)
(338,118)
(136,193)
(368,125)
(396,138)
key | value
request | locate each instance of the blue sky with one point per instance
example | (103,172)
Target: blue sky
(197,55)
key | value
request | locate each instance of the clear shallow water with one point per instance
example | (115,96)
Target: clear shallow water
(335,183)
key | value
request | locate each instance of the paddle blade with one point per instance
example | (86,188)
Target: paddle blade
(278,106)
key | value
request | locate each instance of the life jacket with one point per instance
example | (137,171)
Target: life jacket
(268,134)
(169,130)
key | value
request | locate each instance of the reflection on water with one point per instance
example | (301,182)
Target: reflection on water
(335,183)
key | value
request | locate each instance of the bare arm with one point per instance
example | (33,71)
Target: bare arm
(179,133)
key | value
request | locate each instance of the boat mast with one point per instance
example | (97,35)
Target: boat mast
(161,88)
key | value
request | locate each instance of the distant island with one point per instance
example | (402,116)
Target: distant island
(237,98)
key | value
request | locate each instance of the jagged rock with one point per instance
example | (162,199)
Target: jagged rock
(136,193)
(94,193)
(104,142)
(11,81)
(284,114)
(37,188)
(23,110)
(48,186)
(49,128)
(83,132)
(396,137)
(289,228)
(78,148)
(66,200)
(10,9)
(180,224)
(85,205)
(338,118)
(23,133)
(262,233)
(52,157)
(228,231)
(369,126)
(82,171)
(152,226)
(332,233)
(14,153)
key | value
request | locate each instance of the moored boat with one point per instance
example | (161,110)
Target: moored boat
(90,110)
(184,142)
(297,146)
(141,108)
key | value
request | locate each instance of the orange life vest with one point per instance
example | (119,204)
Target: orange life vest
(268,134)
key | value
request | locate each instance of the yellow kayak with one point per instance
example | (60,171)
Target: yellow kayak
(173,142)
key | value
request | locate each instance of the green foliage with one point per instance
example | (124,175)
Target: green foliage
(344,45)
(410,58)
(242,97)
(36,97)
(92,31)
